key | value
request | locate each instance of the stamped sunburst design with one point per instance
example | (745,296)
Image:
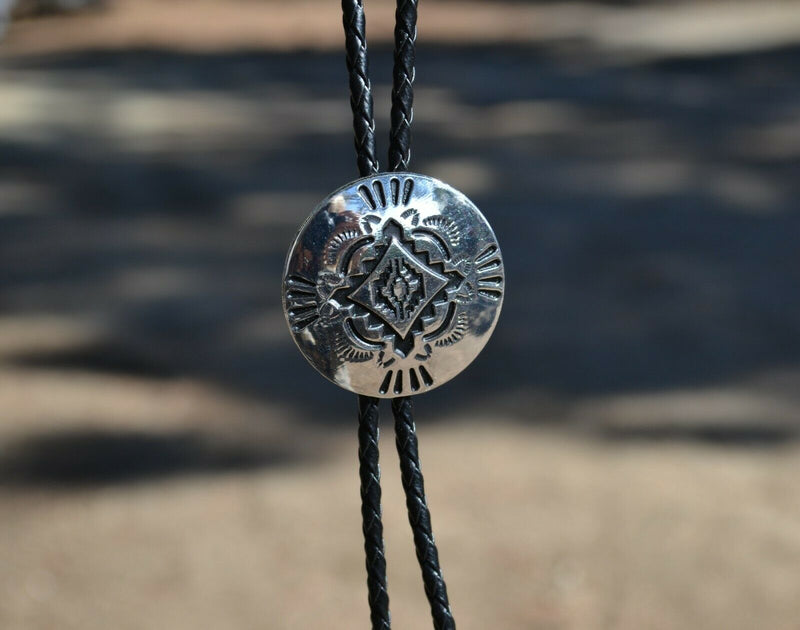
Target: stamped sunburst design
(393,285)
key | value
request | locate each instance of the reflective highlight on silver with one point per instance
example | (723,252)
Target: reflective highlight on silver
(393,285)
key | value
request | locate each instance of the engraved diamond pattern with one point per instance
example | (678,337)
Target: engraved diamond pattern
(399,288)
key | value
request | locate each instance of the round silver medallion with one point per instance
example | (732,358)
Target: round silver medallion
(393,285)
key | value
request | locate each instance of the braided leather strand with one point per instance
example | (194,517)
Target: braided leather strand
(418,514)
(370,473)
(405,37)
(360,88)
(361,103)
(354,23)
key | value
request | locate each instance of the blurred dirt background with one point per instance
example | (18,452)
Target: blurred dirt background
(624,454)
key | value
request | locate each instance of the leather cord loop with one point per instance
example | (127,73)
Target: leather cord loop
(403,74)
(419,517)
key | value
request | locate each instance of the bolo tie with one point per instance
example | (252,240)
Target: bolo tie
(392,286)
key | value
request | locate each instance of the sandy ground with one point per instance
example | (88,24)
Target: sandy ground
(535,531)
(218,516)
(625,453)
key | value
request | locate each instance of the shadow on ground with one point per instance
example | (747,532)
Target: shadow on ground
(91,457)
(647,213)
(751,435)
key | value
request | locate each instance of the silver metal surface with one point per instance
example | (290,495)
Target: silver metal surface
(393,285)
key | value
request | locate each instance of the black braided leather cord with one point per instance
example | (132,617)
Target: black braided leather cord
(419,517)
(360,88)
(354,23)
(370,473)
(418,514)
(405,37)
